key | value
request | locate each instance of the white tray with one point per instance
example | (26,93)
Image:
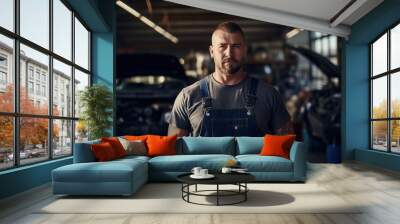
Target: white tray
(208,176)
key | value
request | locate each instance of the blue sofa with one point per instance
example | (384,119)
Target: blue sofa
(125,176)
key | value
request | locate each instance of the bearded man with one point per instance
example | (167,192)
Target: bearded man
(228,102)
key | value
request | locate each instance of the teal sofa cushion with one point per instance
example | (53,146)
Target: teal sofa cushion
(115,171)
(249,145)
(257,163)
(206,145)
(117,177)
(83,152)
(128,159)
(185,163)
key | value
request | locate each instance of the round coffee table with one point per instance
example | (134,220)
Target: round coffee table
(238,179)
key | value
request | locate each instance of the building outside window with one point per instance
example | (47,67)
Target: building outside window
(3,61)
(37,75)
(3,72)
(30,87)
(3,78)
(59,126)
(38,89)
(43,78)
(30,72)
(43,90)
(55,98)
(385,92)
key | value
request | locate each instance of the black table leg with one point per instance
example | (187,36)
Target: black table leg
(217,194)
(245,193)
(188,190)
(182,189)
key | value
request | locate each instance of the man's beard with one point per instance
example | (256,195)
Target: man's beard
(232,67)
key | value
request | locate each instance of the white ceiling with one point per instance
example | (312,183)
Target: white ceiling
(314,15)
(321,9)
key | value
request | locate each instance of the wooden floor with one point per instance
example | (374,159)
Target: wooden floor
(377,188)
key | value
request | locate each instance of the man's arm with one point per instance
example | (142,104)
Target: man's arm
(179,123)
(281,121)
(172,130)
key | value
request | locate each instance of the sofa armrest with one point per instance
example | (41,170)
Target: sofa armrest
(83,152)
(298,155)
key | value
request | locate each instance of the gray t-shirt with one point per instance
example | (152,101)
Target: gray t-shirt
(187,112)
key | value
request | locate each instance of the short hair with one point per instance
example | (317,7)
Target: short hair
(230,27)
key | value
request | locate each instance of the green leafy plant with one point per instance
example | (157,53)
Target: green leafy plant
(96,104)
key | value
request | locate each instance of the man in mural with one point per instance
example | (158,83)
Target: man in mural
(228,102)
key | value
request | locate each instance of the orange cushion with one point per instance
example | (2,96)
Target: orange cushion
(103,151)
(116,145)
(135,138)
(277,145)
(161,145)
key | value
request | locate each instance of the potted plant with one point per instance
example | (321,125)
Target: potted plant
(96,104)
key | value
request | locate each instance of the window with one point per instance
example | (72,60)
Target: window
(6,142)
(327,46)
(45,131)
(81,45)
(3,72)
(44,77)
(62,140)
(43,90)
(6,73)
(38,74)
(3,78)
(62,74)
(30,87)
(3,61)
(55,103)
(3,82)
(62,29)
(30,72)
(385,94)
(81,81)
(7,14)
(33,149)
(38,89)
(34,22)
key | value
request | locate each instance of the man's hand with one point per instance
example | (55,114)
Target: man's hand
(172,130)
(285,129)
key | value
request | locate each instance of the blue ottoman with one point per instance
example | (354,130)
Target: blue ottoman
(118,177)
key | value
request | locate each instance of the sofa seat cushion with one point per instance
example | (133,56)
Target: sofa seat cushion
(133,158)
(257,163)
(185,163)
(111,171)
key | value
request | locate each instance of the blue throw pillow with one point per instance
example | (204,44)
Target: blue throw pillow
(208,145)
(249,145)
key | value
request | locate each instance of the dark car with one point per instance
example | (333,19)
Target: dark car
(147,85)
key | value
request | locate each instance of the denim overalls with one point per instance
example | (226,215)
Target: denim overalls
(229,122)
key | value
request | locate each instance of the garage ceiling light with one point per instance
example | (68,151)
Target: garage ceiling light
(147,22)
(293,33)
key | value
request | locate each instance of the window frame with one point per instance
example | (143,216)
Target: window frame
(333,55)
(16,114)
(371,77)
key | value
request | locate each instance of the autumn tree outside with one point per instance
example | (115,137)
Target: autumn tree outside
(33,131)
